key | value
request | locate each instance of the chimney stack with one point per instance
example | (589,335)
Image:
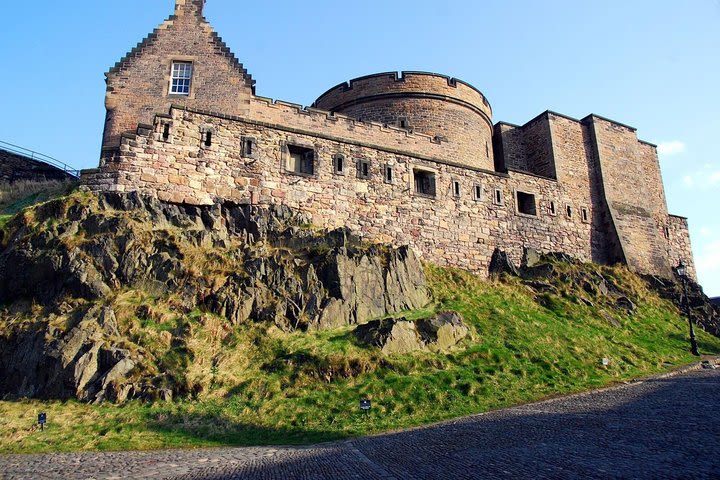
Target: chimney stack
(189,7)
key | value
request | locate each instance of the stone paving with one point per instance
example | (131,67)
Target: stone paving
(659,428)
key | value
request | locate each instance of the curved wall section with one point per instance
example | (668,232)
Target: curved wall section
(428,103)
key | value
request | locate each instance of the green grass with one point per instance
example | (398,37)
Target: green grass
(18,196)
(254,384)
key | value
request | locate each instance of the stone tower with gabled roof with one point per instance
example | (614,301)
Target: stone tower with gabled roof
(182,62)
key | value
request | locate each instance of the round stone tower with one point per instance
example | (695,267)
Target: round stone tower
(451,110)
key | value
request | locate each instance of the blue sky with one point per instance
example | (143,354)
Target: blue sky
(652,64)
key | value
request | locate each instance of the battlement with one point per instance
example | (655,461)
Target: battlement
(405,84)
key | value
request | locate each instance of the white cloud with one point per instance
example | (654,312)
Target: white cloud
(671,148)
(705,232)
(707,263)
(714,178)
(704,179)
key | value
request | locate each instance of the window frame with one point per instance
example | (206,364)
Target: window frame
(246,142)
(521,199)
(363,174)
(388,169)
(431,185)
(455,188)
(308,153)
(478,192)
(339,159)
(498,197)
(174,77)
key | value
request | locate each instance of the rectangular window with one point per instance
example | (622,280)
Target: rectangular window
(363,168)
(553,210)
(526,203)
(456,188)
(584,215)
(498,197)
(477,192)
(166,132)
(339,164)
(249,147)
(424,182)
(389,176)
(403,123)
(568,211)
(301,160)
(180,78)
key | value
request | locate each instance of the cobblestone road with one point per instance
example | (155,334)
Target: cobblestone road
(660,428)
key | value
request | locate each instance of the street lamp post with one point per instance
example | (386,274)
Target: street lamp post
(682,273)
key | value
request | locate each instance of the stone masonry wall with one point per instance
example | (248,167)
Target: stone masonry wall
(448,230)
(528,148)
(138,86)
(634,193)
(433,104)
(680,248)
(14,167)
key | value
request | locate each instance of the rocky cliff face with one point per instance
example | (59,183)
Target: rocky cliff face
(65,266)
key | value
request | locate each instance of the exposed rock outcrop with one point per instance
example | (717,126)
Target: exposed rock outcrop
(703,311)
(71,257)
(399,336)
(540,274)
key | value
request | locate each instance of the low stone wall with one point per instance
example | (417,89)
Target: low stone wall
(14,167)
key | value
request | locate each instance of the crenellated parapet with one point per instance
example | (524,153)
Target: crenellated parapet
(437,105)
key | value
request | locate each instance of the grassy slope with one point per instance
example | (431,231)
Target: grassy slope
(265,386)
(20,195)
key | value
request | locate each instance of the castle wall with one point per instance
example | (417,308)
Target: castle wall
(528,148)
(573,158)
(680,247)
(587,187)
(14,168)
(138,86)
(633,189)
(447,230)
(432,104)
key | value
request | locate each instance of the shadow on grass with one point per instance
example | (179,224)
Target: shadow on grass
(208,429)
(704,347)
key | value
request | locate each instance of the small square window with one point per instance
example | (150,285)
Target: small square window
(339,164)
(584,215)
(249,147)
(181,78)
(424,182)
(389,174)
(526,203)
(477,192)
(301,160)
(498,197)
(363,168)
(456,189)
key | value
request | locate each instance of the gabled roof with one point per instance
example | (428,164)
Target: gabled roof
(216,39)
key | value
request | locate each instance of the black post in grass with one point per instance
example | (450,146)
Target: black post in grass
(682,273)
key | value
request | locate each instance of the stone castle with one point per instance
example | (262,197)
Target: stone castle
(409,159)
